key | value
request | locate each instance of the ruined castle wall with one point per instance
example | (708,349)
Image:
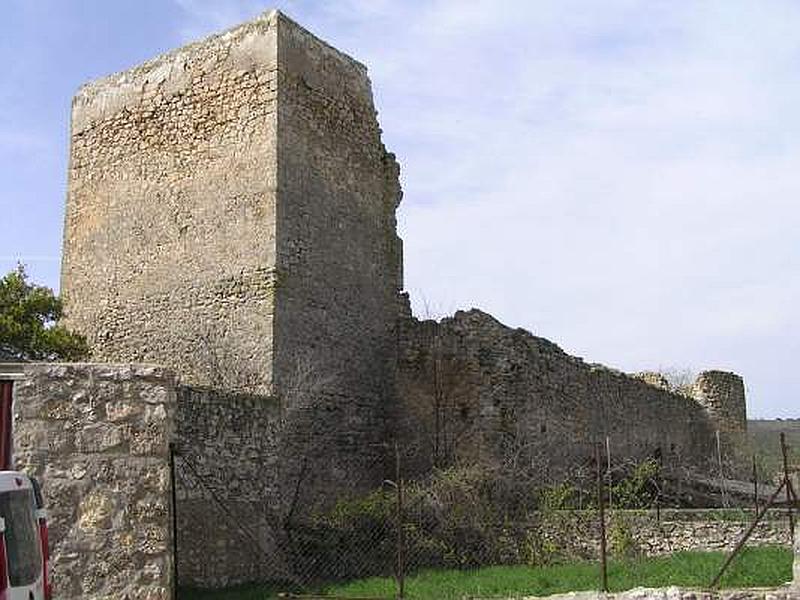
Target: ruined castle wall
(474,389)
(722,395)
(231,209)
(97,437)
(338,251)
(169,242)
(229,505)
(231,214)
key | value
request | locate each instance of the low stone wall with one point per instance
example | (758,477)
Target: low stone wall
(680,530)
(648,533)
(97,437)
(788,592)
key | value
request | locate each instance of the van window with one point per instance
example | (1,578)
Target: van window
(22,537)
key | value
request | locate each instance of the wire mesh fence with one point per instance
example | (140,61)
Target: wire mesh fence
(472,526)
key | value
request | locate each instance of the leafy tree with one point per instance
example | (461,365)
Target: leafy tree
(29,327)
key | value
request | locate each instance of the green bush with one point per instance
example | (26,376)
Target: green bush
(464,518)
(639,489)
(621,541)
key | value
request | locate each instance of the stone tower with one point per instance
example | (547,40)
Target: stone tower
(721,394)
(231,215)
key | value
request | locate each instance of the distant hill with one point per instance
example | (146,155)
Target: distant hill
(765,437)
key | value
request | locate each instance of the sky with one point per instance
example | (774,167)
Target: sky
(620,177)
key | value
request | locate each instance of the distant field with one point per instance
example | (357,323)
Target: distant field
(764,435)
(756,567)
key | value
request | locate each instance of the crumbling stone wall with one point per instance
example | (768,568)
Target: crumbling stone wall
(474,389)
(169,238)
(339,255)
(722,395)
(231,209)
(97,438)
(231,214)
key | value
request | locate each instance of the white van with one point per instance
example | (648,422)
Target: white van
(23,539)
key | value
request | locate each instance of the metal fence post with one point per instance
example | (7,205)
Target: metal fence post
(787,480)
(740,544)
(601,508)
(608,474)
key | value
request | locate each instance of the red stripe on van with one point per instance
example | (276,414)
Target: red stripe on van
(43,536)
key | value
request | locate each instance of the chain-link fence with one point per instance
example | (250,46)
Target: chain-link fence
(475,530)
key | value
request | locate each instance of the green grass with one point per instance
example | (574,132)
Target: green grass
(756,567)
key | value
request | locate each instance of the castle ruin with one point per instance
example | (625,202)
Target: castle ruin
(231,219)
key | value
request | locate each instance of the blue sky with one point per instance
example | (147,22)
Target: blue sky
(620,177)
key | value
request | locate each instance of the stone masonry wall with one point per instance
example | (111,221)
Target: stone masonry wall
(714,530)
(338,253)
(722,395)
(473,389)
(699,530)
(248,468)
(230,206)
(231,214)
(169,238)
(338,250)
(97,438)
(227,479)
(652,533)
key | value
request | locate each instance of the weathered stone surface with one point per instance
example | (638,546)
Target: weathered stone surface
(169,252)
(652,533)
(107,492)
(231,209)
(722,395)
(471,387)
(231,214)
(227,450)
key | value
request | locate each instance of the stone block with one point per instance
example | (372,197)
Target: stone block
(99,444)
